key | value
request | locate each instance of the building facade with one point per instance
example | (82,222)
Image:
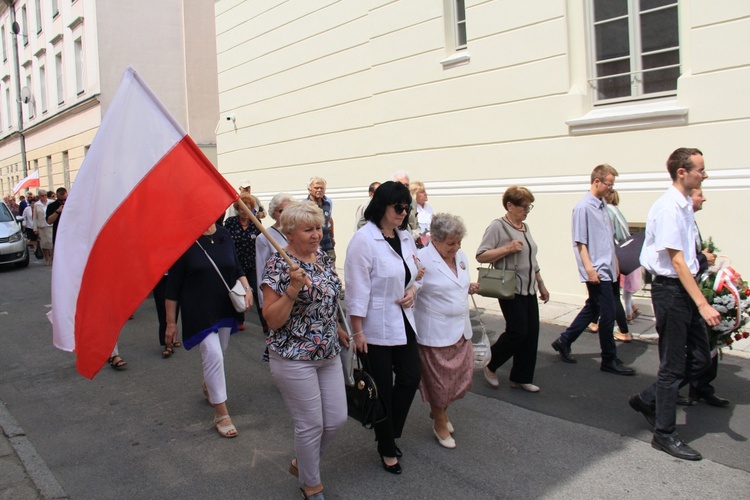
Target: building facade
(71,56)
(471,96)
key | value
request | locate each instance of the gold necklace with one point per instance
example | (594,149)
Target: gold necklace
(513,224)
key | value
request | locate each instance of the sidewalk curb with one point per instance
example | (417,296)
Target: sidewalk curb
(37,470)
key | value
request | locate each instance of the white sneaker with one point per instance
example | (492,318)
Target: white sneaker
(490,377)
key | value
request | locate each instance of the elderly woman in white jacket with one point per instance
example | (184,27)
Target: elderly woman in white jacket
(380,272)
(443,326)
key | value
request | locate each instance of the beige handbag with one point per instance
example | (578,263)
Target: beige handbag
(499,283)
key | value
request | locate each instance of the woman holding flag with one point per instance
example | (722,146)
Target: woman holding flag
(208,317)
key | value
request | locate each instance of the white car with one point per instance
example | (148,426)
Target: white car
(13,249)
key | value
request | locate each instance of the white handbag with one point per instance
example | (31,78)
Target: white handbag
(237,293)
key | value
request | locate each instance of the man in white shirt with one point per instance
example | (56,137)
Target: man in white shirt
(682,312)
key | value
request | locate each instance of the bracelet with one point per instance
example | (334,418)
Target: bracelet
(293,299)
(358,333)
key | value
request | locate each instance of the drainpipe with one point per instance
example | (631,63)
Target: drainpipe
(17,69)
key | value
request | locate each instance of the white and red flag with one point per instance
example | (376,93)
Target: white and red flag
(144,193)
(30,181)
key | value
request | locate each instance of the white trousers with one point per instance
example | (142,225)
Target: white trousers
(313,392)
(212,354)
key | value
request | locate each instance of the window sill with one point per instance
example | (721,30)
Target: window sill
(457,59)
(631,116)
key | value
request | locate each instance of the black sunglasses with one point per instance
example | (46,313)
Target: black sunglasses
(401,208)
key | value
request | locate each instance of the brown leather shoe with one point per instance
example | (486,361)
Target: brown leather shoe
(623,337)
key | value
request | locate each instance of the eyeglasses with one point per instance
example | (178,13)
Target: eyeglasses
(609,186)
(401,208)
(528,208)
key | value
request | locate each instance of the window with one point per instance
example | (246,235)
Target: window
(455,34)
(30,104)
(49,172)
(59,78)
(2,43)
(635,51)
(66,169)
(24,26)
(42,88)
(460,20)
(78,54)
(38,15)
(55,9)
(7,104)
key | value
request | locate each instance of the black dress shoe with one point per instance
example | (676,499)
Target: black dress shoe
(563,350)
(398,452)
(713,400)
(615,366)
(393,469)
(640,406)
(675,447)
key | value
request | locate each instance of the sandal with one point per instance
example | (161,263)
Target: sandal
(227,431)
(167,352)
(593,328)
(313,496)
(293,470)
(176,345)
(117,362)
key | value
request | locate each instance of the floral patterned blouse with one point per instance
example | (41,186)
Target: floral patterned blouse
(310,332)
(244,243)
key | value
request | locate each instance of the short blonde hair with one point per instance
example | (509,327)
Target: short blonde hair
(602,171)
(300,212)
(415,187)
(313,180)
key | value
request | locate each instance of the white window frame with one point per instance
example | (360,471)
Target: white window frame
(3,43)
(38,14)
(60,76)
(79,57)
(42,87)
(456,34)
(635,57)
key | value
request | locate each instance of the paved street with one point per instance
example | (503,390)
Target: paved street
(146,432)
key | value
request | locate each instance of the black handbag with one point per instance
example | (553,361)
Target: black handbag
(39,253)
(362,398)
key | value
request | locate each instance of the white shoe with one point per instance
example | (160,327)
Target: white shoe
(448,426)
(448,442)
(525,387)
(490,377)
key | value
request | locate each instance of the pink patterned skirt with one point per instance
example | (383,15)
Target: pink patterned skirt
(446,372)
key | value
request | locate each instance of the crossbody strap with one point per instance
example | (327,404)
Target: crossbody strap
(515,254)
(214,264)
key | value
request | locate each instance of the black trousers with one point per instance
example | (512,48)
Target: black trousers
(701,386)
(520,338)
(160,295)
(683,350)
(398,393)
(600,304)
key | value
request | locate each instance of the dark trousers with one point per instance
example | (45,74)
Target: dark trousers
(701,386)
(160,295)
(600,304)
(398,394)
(683,350)
(620,317)
(520,338)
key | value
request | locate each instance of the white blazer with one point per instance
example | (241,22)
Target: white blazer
(375,276)
(442,306)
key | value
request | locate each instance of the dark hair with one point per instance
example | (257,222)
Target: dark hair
(61,191)
(389,193)
(373,187)
(681,158)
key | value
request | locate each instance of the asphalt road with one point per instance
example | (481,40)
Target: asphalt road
(146,432)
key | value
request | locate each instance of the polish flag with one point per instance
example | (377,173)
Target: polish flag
(29,181)
(143,195)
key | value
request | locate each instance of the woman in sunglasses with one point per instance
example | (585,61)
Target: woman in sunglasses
(381,270)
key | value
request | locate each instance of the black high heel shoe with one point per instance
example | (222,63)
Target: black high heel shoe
(398,452)
(393,469)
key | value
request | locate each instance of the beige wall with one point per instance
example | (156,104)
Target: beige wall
(353,91)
